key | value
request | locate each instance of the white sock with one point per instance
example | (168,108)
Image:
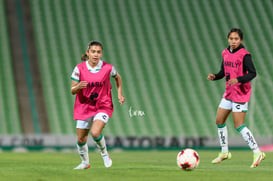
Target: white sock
(250,140)
(101,144)
(223,137)
(83,152)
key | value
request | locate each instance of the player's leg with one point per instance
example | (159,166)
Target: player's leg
(82,135)
(239,113)
(223,112)
(99,122)
(222,115)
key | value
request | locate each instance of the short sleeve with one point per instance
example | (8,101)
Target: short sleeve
(75,75)
(113,72)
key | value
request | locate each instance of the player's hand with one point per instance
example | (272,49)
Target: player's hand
(82,84)
(77,86)
(121,99)
(233,81)
(211,77)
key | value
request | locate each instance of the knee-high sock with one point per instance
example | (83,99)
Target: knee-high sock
(83,152)
(248,137)
(101,144)
(223,137)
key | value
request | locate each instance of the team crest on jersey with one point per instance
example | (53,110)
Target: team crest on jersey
(77,74)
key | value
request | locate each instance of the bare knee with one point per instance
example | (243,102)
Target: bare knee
(95,133)
(219,121)
(222,115)
(97,128)
(82,135)
(82,139)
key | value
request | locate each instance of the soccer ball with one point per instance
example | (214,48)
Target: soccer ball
(187,159)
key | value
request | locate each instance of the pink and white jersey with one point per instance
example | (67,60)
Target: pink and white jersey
(97,96)
(233,66)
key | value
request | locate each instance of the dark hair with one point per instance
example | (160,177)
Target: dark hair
(91,43)
(237,30)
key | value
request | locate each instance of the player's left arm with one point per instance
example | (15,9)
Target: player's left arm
(118,81)
(119,88)
(250,68)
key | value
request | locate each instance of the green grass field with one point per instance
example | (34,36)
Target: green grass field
(130,166)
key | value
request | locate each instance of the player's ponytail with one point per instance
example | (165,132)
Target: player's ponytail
(84,57)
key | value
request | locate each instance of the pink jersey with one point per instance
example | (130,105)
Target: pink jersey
(97,96)
(233,66)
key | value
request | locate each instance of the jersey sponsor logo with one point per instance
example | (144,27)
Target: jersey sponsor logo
(232,64)
(95,84)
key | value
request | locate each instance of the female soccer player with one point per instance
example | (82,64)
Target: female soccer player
(238,69)
(93,103)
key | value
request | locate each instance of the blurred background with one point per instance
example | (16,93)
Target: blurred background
(163,49)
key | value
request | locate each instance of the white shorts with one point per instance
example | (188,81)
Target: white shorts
(86,124)
(234,106)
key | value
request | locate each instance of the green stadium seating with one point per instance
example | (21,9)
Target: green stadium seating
(164,51)
(9,113)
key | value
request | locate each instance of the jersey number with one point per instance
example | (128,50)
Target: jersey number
(93,96)
(227,76)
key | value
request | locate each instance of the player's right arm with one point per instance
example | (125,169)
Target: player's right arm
(219,75)
(211,76)
(77,86)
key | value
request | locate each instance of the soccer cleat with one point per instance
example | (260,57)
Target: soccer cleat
(82,166)
(257,158)
(221,157)
(107,160)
